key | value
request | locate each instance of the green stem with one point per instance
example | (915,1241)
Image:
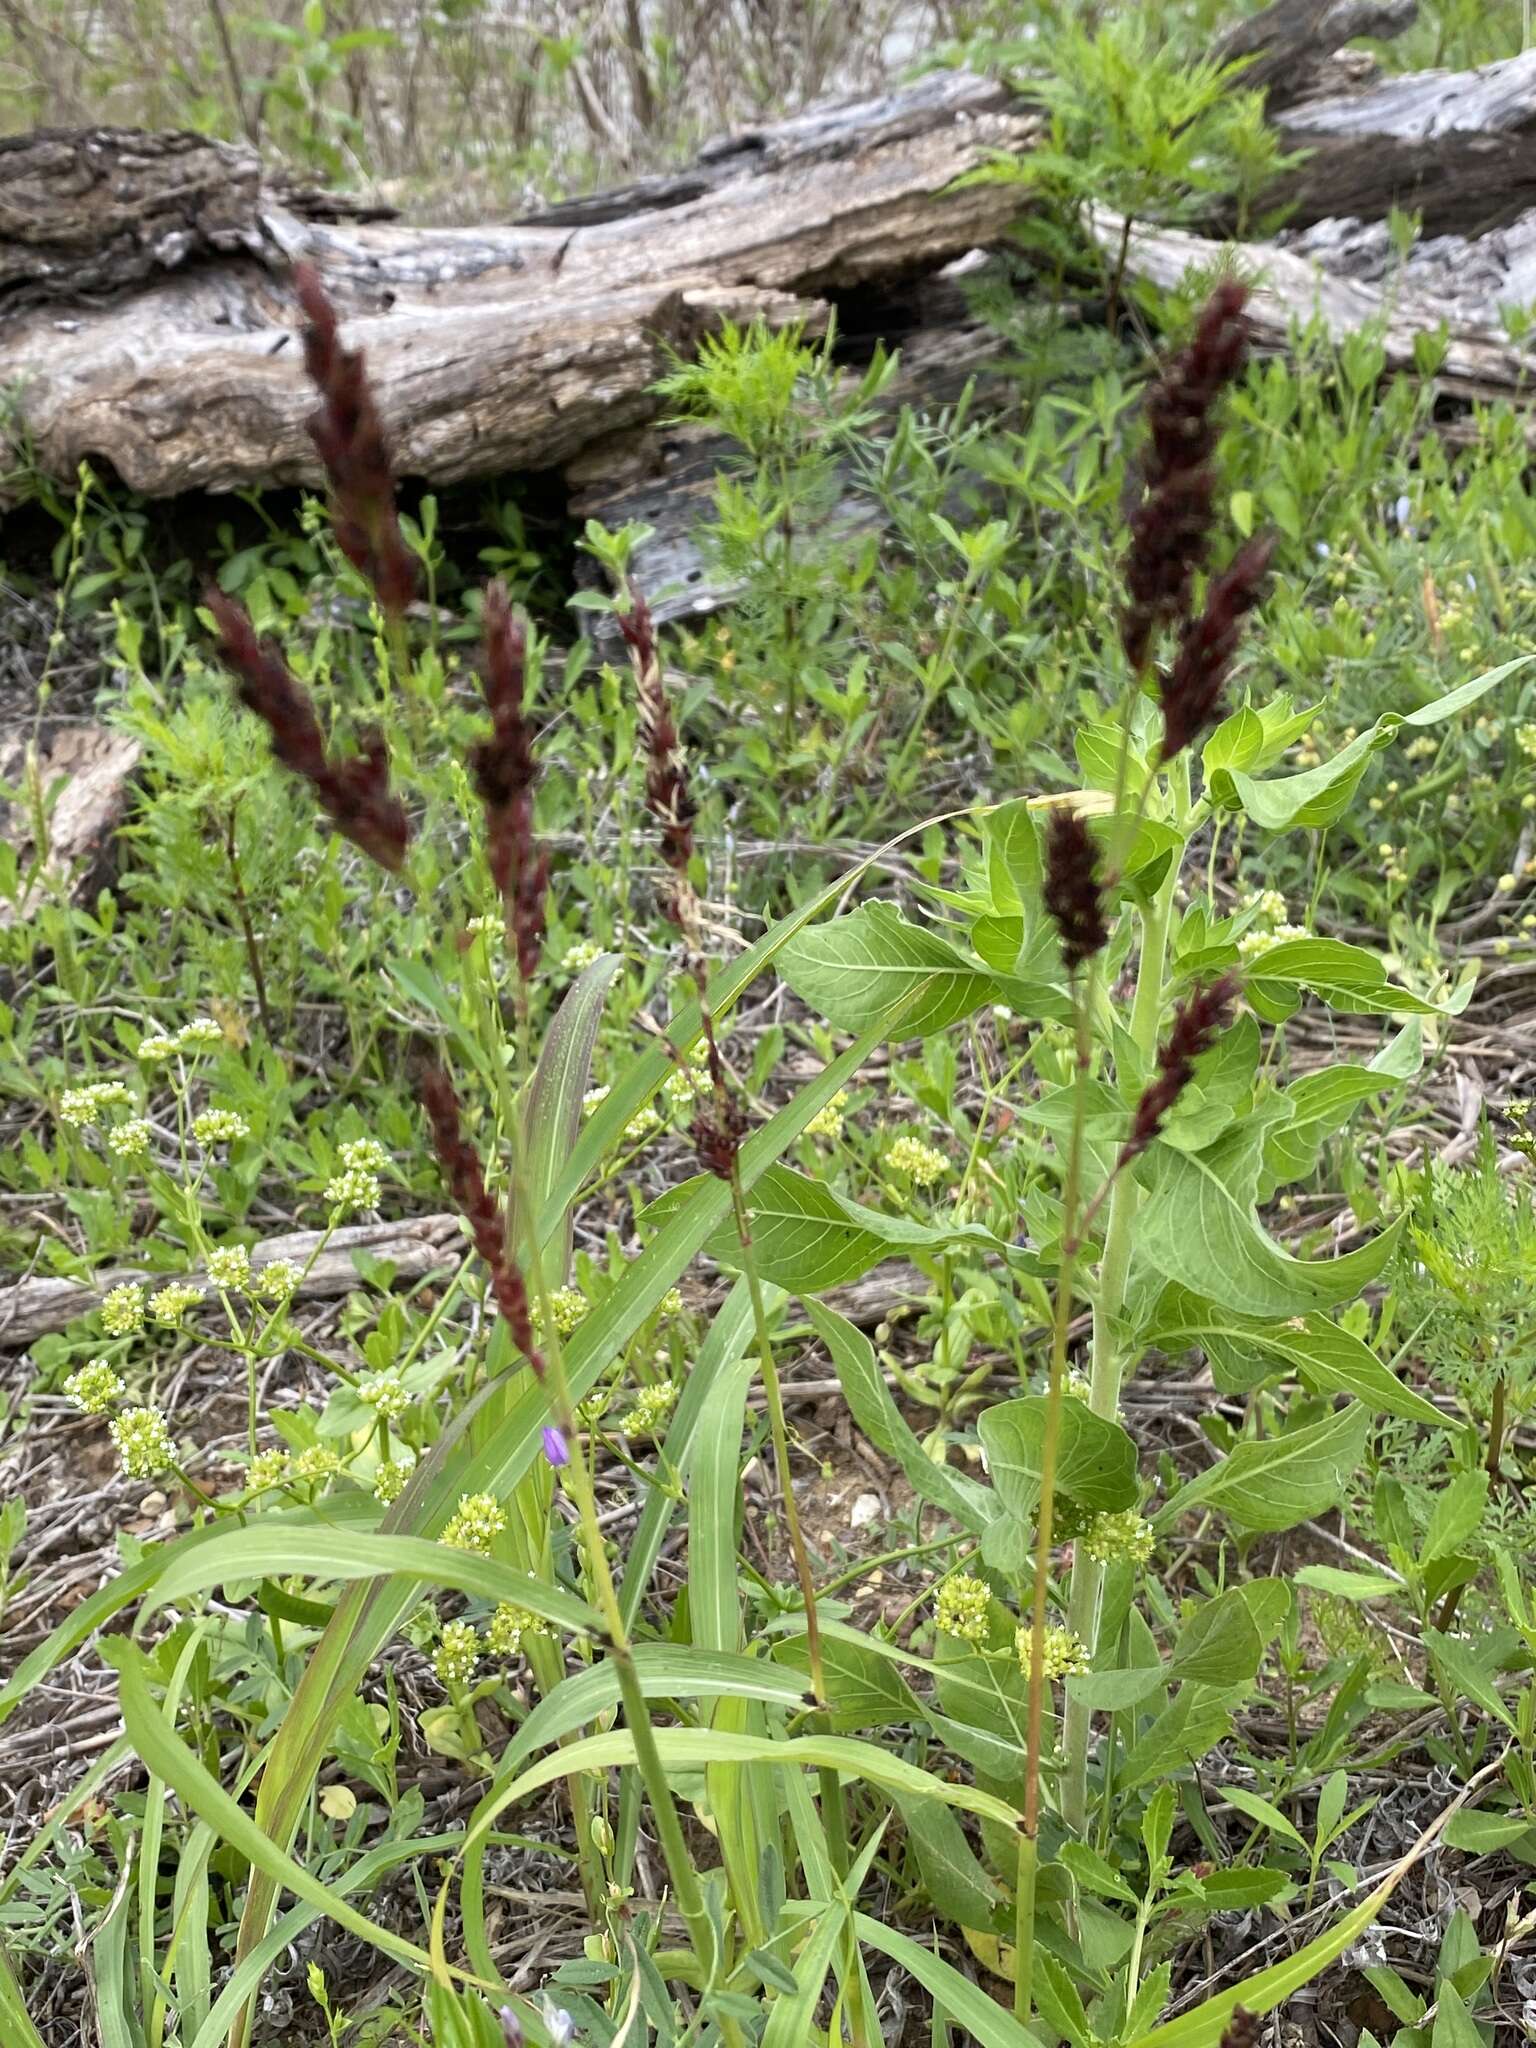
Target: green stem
(1109,1299)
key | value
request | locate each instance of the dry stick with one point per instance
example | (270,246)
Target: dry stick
(248,931)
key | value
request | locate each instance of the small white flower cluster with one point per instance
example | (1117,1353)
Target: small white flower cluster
(352,1189)
(82,1107)
(828,1120)
(1525,740)
(961,1607)
(143,1442)
(170,1303)
(385,1392)
(129,1140)
(122,1309)
(1064,1655)
(95,1387)
(198,1034)
(457,1654)
(568,1309)
(277,1279)
(579,955)
(219,1127)
(229,1268)
(389,1482)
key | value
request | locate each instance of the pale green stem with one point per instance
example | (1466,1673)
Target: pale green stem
(1109,1299)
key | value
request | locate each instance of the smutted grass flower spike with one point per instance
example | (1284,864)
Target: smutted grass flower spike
(353,792)
(1171,526)
(1071,888)
(504,772)
(349,439)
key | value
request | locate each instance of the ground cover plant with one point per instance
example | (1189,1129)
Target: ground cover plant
(910,1425)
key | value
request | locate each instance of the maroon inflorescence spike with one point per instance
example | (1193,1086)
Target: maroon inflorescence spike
(354,793)
(1171,527)
(666,776)
(484,1214)
(504,772)
(1190,691)
(349,438)
(1196,1022)
(1071,887)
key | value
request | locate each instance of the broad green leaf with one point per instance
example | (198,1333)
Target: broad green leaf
(852,970)
(952,1874)
(806,1237)
(1459,1663)
(714,1495)
(1198,1718)
(864,1689)
(1108,1691)
(880,1421)
(1458,1513)
(1320,795)
(1096,1460)
(1454,2026)
(16,2027)
(1322,1103)
(1014,867)
(1219,1644)
(684,1749)
(1200,1228)
(1348,1585)
(1275,1482)
(1481,1833)
(1319,1352)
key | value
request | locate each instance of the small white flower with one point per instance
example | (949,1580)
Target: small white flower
(219,1127)
(579,955)
(143,1442)
(122,1309)
(156,1045)
(129,1140)
(355,1188)
(95,1388)
(365,1155)
(229,1268)
(199,1031)
(277,1279)
(169,1304)
(385,1392)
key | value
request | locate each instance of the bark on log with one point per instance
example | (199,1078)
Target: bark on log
(501,348)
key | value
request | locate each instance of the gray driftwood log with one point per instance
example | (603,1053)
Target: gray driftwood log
(491,348)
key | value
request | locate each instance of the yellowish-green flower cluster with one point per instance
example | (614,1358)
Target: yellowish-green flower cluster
(1253,944)
(684,1085)
(170,1303)
(83,1106)
(364,1155)
(1525,740)
(474,1524)
(828,1120)
(670,1304)
(122,1309)
(129,1140)
(652,1407)
(510,1627)
(921,1164)
(1116,1538)
(579,955)
(277,1279)
(267,1469)
(318,1461)
(595,1097)
(95,1387)
(457,1653)
(961,1607)
(642,1125)
(385,1392)
(143,1442)
(568,1307)
(389,1482)
(219,1127)
(1064,1653)
(229,1268)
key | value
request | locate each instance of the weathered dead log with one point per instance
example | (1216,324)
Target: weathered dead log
(34,1308)
(1292,50)
(1347,276)
(1458,147)
(502,348)
(94,767)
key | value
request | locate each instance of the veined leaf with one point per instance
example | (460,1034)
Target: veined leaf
(852,970)
(553,1111)
(1275,1482)
(1095,1460)
(958,1997)
(1200,1228)
(1318,1352)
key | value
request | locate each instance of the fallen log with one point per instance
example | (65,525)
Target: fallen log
(490,348)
